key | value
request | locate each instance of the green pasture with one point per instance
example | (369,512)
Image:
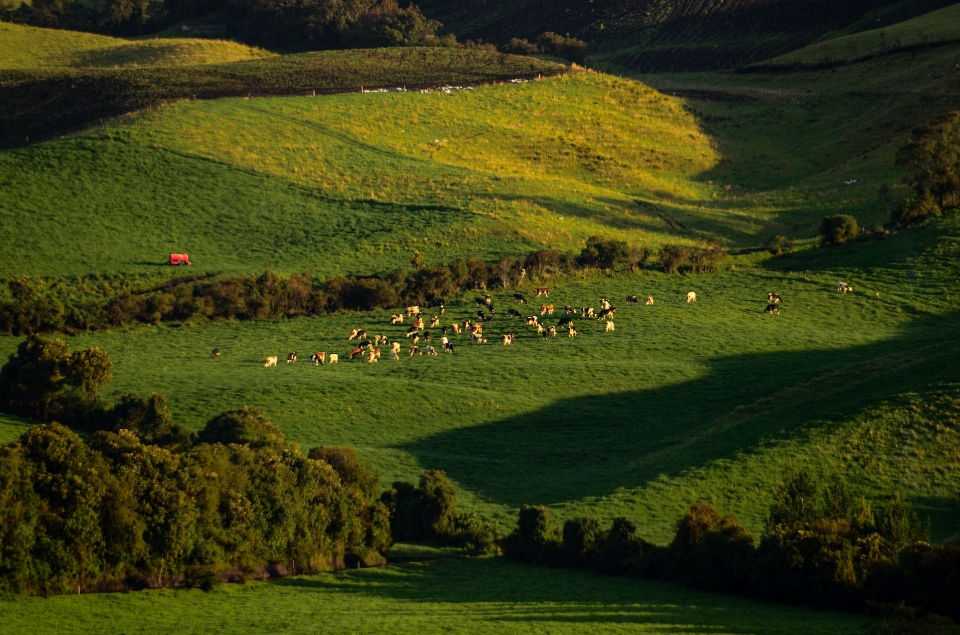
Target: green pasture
(437,596)
(932,28)
(683,401)
(24,47)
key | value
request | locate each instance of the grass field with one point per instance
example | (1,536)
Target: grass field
(25,47)
(934,28)
(439,596)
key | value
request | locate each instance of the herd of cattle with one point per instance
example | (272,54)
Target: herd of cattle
(368,347)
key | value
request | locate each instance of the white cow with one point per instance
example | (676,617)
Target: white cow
(610,326)
(271,361)
(692,296)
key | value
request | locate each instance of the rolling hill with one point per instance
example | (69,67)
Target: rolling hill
(665,35)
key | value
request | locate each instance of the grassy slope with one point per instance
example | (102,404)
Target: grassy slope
(441,596)
(932,28)
(24,47)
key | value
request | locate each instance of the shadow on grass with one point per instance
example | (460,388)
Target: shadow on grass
(522,593)
(589,446)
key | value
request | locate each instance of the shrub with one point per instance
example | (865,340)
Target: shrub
(705,256)
(353,471)
(605,254)
(534,540)
(517,46)
(671,257)
(199,576)
(838,229)
(780,245)
(244,426)
(566,47)
(933,152)
(917,209)
(581,537)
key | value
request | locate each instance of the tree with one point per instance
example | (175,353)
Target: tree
(245,426)
(933,152)
(838,229)
(89,370)
(417,260)
(33,377)
(795,501)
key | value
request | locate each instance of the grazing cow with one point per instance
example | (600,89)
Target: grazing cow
(395,346)
(572,332)
(478,338)
(318,358)
(216,352)
(649,300)
(546,309)
(394,354)
(481,315)
(532,320)
(604,304)
(419,323)
(444,341)
(271,361)
(292,357)
(540,328)
(448,347)
(519,298)
(355,333)
(692,296)
(456,328)
(376,352)
(357,352)
(772,308)
(607,313)
(507,339)
(587,312)
(844,287)
(774,298)
(426,336)
(435,321)
(365,344)
(334,358)
(514,313)
(552,331)
(634,299)
(442,308)
(412,331)
(488,300)
(543,291)
(429,350)
(480,301)
(466,325)
(477,328)
(567,321)
(414,350)
(412,310)
(569,309)
(416,338)
(610,326)
(396,319)
(371,357)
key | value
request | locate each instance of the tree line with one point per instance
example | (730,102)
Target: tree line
(821,546)
(138,500)
(34,306)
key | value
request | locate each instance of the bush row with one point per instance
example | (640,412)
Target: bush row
(38,307)
(820,547)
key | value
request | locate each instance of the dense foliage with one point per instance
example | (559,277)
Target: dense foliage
(142,500)
(933,153)
(838,229)
(822,546)
(35,307)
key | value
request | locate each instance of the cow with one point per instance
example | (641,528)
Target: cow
(604,304)
(607,313)
(442,308)
(396,319)
(444,341)
(216,352)
(271,361)
(318,358)
(357,352)
(610,326)
(292,357)
(772,308)
(774,298)
(365,344)
(466,325)
(569,309)
(456,328)
(334,358)
(358,334)
(414,350)
(572,332)
(429,350)
(435,321)
(518,297)
(546,309)
(514,313)
(633,299)
(412,310)
(481,315)
(587,312)
(394,354)
(692,296)
(532,320)
(543,291)
(540,328)
(412,331)
(552,331)
(507,339)
(566,321)
(371,357)
(480,301)
(448,347)
(844,287)
(376,352)
(416,338)
(649,300)
(419,323)
(488,300)
(478,338)
(395,347)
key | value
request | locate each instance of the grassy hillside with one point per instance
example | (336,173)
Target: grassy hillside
(936,28)
(664,35)
(439,596)
(24,47)
(355,183)
(40,104)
